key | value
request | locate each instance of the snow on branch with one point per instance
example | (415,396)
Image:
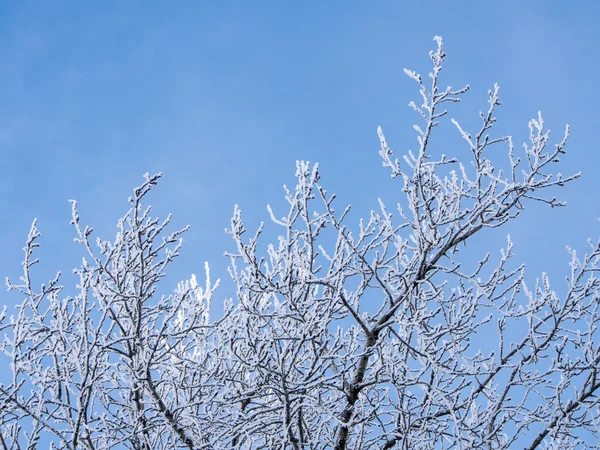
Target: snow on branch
(372,336)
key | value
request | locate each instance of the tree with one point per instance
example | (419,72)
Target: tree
(364,340)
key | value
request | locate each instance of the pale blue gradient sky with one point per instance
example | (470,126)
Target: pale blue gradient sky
(223,98)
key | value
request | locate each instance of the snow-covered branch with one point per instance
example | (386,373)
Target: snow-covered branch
(339,337)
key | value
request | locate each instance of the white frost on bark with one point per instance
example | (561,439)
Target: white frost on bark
(378,338)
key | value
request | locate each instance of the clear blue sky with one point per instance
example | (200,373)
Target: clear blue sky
(223,97)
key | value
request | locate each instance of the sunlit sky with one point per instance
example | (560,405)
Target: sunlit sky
(223,97)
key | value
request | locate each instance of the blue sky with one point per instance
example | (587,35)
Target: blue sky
(223,98)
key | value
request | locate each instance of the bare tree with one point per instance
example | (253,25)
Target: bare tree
(379,338)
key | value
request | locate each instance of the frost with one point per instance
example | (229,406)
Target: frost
(375,336)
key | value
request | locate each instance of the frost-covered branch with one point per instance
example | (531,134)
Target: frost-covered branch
(376,336)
